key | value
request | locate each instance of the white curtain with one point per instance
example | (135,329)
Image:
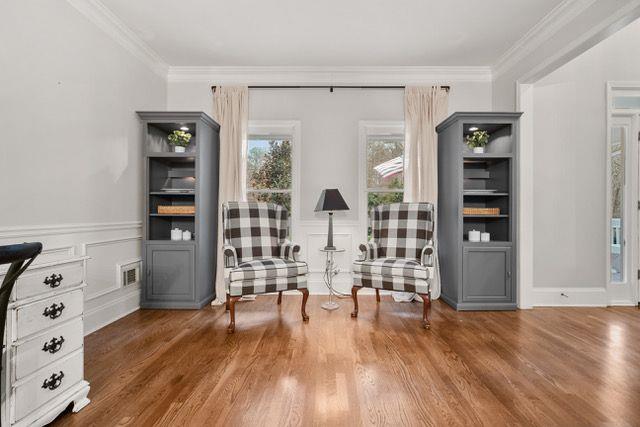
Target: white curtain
(424,109)
(231,111)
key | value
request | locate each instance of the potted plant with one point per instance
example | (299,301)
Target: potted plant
(477,141)
(180,140)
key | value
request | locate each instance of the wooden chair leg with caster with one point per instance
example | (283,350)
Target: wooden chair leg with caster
(232,314)
(354,295)
(279,297)
(426,298)
(303,310)
(377,295)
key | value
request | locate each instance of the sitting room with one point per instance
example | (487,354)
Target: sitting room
(320,213)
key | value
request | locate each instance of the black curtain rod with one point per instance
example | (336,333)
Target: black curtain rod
(331,87)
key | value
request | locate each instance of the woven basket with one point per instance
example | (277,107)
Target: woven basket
(177,210)
(481,211)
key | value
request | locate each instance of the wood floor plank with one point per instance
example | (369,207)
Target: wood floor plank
(547,366)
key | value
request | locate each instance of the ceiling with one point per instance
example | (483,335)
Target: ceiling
(330,32)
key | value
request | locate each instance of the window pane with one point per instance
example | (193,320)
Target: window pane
(269,164)
(626,102)
(617,157)
(283,199)
(385,159)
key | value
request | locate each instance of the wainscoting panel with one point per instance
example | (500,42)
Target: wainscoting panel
(108,244)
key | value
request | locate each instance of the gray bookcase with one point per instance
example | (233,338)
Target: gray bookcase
(478,275)
(179,274)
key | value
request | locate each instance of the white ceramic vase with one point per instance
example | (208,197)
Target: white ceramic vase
(478,150)
(178,149)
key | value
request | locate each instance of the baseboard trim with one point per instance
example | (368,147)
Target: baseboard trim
(570,297)
(111,311)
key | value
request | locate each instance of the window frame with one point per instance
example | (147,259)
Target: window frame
(366,130)
(277,129)
(626,290)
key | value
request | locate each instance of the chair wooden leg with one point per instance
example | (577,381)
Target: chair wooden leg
(303,310)
(227,304)
(426,298)
(232,314)
(279,297)
(354,295)
(377,295)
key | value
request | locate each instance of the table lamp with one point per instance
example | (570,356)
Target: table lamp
(331,200)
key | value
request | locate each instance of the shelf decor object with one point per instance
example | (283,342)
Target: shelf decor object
(477,217)
(181,197)
(331,200)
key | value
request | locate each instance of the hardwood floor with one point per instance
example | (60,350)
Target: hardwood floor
(554,366)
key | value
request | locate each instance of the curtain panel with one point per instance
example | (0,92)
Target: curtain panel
(231,111)
(424,109)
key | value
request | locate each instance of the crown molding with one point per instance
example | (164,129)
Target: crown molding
(344,75)
(113,26)
(549,25)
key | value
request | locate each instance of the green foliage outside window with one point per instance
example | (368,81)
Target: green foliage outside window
(269,168)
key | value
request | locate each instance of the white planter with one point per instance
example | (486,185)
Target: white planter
(178,149)
(478,150)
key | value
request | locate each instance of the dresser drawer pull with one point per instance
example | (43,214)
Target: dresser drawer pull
(54,311)
(54,381)
(54,345)
(53,281)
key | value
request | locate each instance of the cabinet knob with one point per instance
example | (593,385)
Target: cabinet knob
(54,280)
(54,311)
(54,381)
(54,345)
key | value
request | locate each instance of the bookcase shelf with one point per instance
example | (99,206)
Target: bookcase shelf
(478,275)
(180,274)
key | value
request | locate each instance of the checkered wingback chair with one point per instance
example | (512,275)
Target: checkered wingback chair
(400,255)
(258,258)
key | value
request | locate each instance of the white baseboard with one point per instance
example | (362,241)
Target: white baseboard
(111,310)
(569,297)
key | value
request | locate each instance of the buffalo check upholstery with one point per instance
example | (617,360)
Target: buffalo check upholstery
(400,254)
(256,250)
(401,246)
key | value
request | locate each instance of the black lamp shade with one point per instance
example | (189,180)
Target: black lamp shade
(331,200)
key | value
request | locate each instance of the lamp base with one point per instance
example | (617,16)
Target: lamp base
(330,305)
(329,248)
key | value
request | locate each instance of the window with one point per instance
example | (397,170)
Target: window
(269,169)
(617,149)
(384,170)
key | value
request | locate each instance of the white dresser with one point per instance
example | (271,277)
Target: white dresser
(43,361)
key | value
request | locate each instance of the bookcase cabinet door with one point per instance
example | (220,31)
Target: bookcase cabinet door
(487,274)
(170,272)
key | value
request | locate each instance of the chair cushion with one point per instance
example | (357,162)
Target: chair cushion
(263,286)
(390,283)
(266,268)
(396,267)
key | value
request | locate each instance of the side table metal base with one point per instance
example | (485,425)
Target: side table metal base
(330,305)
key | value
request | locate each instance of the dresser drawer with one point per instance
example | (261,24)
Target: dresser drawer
(44,314)
(42,280)
(46,384)
(44,349)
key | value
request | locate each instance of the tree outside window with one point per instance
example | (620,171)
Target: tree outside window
(269,170)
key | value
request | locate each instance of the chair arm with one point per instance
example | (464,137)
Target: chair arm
(368,251)
(289,250)
(426,257)
(230,256)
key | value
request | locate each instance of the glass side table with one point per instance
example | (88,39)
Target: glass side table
(330,270)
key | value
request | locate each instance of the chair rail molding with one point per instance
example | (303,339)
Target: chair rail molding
(51,229)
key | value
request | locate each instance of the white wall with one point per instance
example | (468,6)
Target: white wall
(70,158)
(569,130)
(329,152)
